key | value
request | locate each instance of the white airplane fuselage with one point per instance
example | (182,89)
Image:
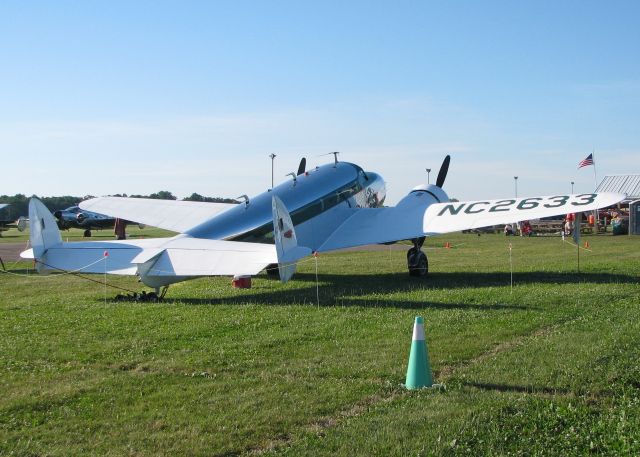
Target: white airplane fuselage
(318,201)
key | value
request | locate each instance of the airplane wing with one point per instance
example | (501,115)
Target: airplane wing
(452,217)
(421,217)
(175,215)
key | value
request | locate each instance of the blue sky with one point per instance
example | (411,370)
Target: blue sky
(136,97)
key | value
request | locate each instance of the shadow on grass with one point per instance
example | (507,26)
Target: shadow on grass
(583,391)
(361,290)
(389,281)
(343,290)
(518,388)
(302,297)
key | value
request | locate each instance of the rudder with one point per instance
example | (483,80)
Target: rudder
(287,247)
(44,231)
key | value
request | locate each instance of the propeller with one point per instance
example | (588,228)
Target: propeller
(302,167)
(444,168)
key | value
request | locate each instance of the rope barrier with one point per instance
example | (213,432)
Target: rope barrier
(63,272)
(72,273)
(576,245)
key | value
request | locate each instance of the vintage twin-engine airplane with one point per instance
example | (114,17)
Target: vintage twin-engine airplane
(6,224)
(331,207)
(75,217)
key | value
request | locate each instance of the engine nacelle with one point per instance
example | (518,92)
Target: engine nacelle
(430,191)
(81,218)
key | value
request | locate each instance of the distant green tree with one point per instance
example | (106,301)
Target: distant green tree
(163,195)
(19,205)
(56,203)
(194,197)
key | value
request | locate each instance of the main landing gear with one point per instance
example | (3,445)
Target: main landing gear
(273,271)
(417,260)
(143,296)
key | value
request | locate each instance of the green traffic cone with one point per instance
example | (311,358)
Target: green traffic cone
(419,370)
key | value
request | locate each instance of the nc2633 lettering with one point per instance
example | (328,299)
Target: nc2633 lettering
(523,204)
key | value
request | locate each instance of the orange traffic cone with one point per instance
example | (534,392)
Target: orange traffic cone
(447,245)
(586,245)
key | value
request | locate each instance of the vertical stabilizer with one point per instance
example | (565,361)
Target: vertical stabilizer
(286,242)
(44,231)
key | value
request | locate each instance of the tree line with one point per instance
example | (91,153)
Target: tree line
(19,203)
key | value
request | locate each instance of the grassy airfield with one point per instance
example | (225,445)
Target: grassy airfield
(73,234)
(550,367)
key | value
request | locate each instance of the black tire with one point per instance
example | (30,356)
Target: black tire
(418,263)
(273,271)
(87,233)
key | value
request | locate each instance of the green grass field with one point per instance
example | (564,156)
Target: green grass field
(550,367)
(133,231)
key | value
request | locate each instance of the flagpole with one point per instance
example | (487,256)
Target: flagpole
(595,185)
(595,177)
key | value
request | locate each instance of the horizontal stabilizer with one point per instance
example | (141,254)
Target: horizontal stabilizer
(186,256)
(114,257)
(178,256)
(175,215)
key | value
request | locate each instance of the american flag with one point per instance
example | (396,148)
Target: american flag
(586,162)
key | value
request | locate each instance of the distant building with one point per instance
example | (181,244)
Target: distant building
(621,184)
(629,185)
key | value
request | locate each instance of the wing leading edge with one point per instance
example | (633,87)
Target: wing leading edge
(422,217)
(174,215)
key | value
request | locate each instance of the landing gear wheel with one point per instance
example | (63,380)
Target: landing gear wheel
(417,263)
(273,271)
(87,233)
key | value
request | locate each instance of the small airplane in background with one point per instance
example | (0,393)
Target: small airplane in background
(5,224)
(333,206)
(75,217)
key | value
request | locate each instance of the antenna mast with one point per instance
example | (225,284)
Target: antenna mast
(335,158)
(273,156)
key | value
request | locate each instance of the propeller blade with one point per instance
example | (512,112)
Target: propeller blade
(302,167)
(444,168)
